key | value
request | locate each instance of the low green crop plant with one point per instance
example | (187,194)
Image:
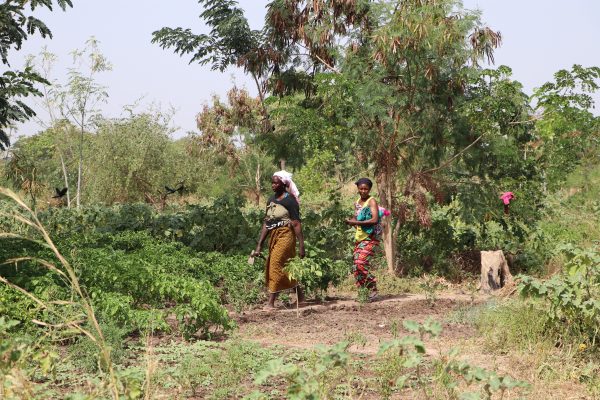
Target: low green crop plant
(430,286)
(325,373)
(84,352)
(401,365)
(222,372)
(489,383)
(23,361)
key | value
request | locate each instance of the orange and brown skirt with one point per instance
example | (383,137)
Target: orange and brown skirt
(282,248)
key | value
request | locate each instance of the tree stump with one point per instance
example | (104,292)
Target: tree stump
(495,273)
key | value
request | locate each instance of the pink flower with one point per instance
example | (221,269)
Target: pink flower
(506,197)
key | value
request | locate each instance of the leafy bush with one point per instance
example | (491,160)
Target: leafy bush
(458,228)
(237,283)
(572,297)
(316,272)
(145,273)
(219,227)
(16,306)
(132,279)
(325,228)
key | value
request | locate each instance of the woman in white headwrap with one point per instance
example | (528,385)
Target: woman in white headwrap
(282,223)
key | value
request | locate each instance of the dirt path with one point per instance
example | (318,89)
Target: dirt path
(335,320)
(370,324)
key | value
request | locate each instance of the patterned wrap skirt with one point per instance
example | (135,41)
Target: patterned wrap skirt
(282,248)
(363,251)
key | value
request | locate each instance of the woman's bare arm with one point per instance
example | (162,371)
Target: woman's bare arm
(297,226)
(261,239)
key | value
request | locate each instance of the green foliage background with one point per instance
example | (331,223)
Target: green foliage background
(394,90)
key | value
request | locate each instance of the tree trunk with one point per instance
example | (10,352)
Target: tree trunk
(267,126)
(79,169)
(389,246)
(495,273)
(257,185)
(385,188)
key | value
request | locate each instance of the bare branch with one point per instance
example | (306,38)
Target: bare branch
(331,67)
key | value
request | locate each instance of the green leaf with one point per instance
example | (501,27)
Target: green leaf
(411,326)
(401,381)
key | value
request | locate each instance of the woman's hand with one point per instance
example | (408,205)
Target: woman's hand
(351,221)
(256,252)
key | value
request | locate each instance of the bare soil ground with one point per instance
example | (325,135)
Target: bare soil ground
(341,318)
(335,320)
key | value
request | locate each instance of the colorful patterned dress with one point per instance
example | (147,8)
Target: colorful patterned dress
(366,241)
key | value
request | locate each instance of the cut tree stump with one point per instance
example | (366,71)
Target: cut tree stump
(495,273)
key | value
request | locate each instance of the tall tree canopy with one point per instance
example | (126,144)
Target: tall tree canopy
(16,27)
(395,69)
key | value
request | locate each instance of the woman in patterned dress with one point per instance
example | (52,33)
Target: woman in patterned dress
(282,224)
(367,236)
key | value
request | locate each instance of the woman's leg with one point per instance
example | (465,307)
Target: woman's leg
(272,298)
(363,277)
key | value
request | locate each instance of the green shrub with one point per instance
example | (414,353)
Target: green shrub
(316,272)
(220,226)
(573,308)
(146,274)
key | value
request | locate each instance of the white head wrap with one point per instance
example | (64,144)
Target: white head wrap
(286,178)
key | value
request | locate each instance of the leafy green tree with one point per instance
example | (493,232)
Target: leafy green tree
(276,65)
(567,132)
(75,102)
(16,26)
(44,64)
(230,136)
(306,127)
(400,68)
(79,100)
(496,107)
(132,160)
